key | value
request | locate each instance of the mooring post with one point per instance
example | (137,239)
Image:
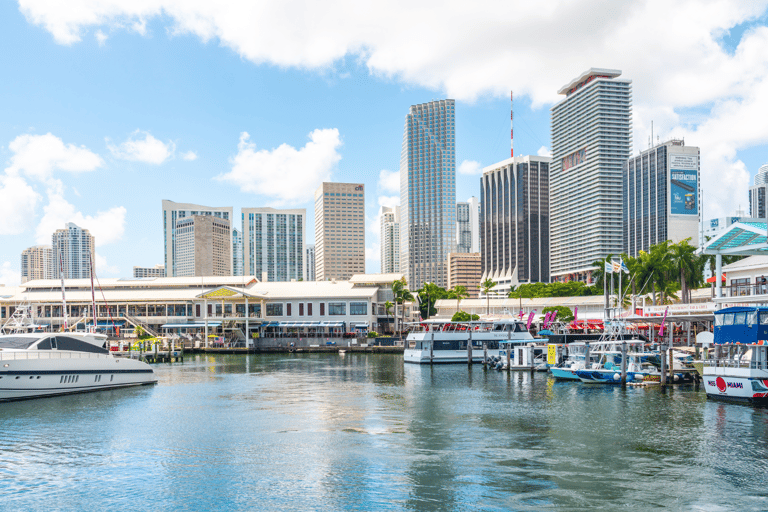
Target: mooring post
(663,355)
(469,347)
(671,367)
(623,363)
(587,365)
(509,348)
(432,348)
(485,354)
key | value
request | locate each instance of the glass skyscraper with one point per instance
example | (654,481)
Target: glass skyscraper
(428,193)
(273,243)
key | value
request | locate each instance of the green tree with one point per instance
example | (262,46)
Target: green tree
(402,295)
(428,295)
(459,292)
(564,314)
(388,309)
(688,266)
(462,316)
(486,287)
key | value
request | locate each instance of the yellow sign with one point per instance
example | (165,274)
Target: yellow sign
(551,354)
(221,292)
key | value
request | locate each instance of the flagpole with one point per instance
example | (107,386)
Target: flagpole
(605,291)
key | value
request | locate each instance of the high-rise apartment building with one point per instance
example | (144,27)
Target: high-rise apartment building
(514,221)
(465,269)
(390,239)
(172,213)
(661,196)
(37,263)
(428,193)
(468,225)
(339,231)
(273,243)
(237,252)
(309,263)
(143,272)
(757,194)
(591,142)
(73,252)
(203,246)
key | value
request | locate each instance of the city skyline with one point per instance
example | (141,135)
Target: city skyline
(152,108)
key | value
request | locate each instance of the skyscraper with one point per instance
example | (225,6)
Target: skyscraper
(428,193)
(468,226)
(203,246)
(143,272)
(237,252)
(514,221)
(661,196)
(339,231)
(591,141)
(309,263)
(390,239)
(273,242)
(37,263)
(757,194)
(73,252)
(172,212)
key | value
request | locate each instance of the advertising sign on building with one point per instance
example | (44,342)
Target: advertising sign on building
(684,177)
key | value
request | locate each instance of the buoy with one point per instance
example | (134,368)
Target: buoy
(616,376)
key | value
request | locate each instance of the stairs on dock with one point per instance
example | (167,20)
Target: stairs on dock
(138,323)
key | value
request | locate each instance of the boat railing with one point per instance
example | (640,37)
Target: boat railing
(49,354)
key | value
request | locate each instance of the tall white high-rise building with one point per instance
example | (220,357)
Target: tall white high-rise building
(591,141)
(73,252)
(273,242)
(468,226)
(203,246)
(428,193)
(145,272)
(758,193)
(37,263)
(172,213)
(309,263)
(237,252)
(339,231)
(390,239)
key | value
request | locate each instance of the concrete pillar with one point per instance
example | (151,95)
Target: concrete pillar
(718,274)
(248,338)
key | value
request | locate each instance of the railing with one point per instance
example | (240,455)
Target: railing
(744,290)
(138,323)
(45,354)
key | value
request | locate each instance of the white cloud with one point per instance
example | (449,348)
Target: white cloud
(388,200)
(103,268)
(17,204)
(189,155)
(38,156)
(544,151)
(9,276)
(285,174)
(147,149)
(470,167)
(101,37)
(373,253)
(389,181)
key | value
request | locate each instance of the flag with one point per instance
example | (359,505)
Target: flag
(608,267)
(661,330)
(624,267)
(616,267)
(530,319)
(575,313)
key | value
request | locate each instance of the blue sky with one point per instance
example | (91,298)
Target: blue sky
(150,102)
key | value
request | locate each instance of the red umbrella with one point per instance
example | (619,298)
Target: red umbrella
(712,279)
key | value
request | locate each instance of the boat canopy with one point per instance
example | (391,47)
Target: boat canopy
(747,325)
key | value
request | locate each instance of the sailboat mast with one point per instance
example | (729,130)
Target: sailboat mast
(63,295)
(93,293)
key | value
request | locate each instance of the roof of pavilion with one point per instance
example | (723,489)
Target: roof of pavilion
(741,238)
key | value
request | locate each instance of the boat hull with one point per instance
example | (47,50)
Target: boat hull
(421,356)
(742,385)
(563,373)
(608,376)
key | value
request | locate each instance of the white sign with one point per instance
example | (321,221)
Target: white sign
(678,309)
(684,162)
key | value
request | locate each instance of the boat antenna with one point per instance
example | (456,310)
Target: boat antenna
(512,124)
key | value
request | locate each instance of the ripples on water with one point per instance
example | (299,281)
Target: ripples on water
(363,432)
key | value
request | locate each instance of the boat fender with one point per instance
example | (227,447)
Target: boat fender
(676,378)
(616,377)
(638,376)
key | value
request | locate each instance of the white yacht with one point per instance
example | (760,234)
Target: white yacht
(443,341)
(34,365)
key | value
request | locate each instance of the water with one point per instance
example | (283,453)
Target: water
(365,432)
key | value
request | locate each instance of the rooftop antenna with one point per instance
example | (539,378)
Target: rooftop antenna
(512,124)
(651,131)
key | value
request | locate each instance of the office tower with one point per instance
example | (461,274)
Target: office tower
(173,212)
(309,264)
(661,196)
(468,225)
(142,272)
(757,193)
(273,243)
(203,246)
(37,263)
(73,252)
(390,239)
(428,193)
(591,141)
(237,252)
(465,269)
(514,221)
(339,231)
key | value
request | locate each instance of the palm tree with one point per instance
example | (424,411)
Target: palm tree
(397,289)
(388,309)
(686,262)
(486,287)
(432,292)
(402,295)
(459,292)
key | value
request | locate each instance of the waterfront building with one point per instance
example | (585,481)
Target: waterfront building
(465,269)
(73,251)
(339,231)
(203,246)
(468,225)
(591,141)
(757,194)
(390,239)
(428,193)
(142,272)
(309,263)
(273,243)
(37,263)
(514,222)
(715,227)
(173,212)
(662,195)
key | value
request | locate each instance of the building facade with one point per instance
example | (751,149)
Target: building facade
(661,196)
(309,263)
(37,263)
(237,252)
(273,243)
(757,193)
(339,231)
(428,193)
(468,225)
(465,269)
(172,213)
(514,221)
(203,246)
(156,271)
(390,239)
(591,141)
(73,251)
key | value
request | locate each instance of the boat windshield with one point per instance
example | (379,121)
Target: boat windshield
(17,342)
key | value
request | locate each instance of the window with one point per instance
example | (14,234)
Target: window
(739,318)
(309,309)
(751,318)
(728,319)
(274,309)
(322,308)
(358,308)
(337,308)
(288,309)
(763,317)
(301,309)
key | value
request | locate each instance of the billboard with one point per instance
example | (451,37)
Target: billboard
(684,184)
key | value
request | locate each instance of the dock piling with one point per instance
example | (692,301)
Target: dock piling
(623,363)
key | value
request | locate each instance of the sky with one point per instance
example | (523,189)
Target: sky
(109,107)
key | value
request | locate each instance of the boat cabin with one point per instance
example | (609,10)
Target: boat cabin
(742,325)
